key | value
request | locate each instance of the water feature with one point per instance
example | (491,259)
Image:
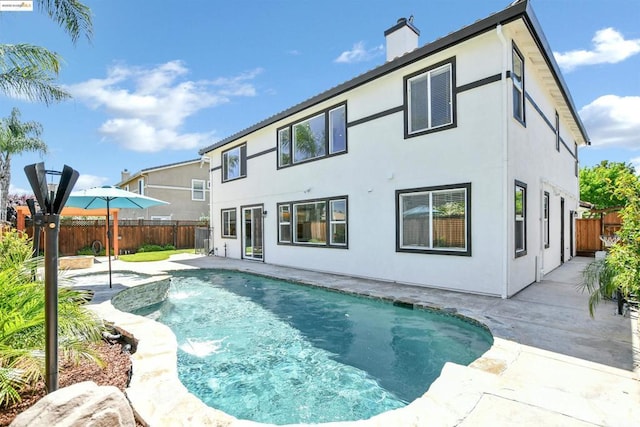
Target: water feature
(277,352)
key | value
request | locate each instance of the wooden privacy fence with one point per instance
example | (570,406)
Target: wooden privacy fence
(77,234)
(589,230)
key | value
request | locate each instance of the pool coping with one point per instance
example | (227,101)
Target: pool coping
(491,385)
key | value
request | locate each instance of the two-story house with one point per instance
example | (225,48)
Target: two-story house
(452,165)
(184,185)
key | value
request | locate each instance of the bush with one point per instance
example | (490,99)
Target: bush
(22,329)
(156,248)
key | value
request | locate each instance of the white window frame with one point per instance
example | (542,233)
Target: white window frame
(427,74)
(226,223)
(333,221)
(141,186)
(518,86)
(284,222)
(546,200)
(241,151)
(520,221)
(293,223)
(286,137)
(430,192)
(195,190)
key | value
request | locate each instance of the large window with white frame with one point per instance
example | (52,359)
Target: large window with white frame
(545,218)
(434,220)
(520,218)
(234,163)
(197,189)
(321,135)
(320,222)
(517,78)
(141,186)
(229,223)
(430,103)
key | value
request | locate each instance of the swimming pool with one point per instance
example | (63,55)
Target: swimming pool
(272,351)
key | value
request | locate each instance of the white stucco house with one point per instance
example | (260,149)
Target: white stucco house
(452,165)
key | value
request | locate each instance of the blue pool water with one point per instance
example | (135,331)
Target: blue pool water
(276,352)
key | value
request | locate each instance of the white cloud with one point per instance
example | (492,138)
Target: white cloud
(359,53)
(147,107)
(609,46)
(613,121)
(89,181)
(139,135)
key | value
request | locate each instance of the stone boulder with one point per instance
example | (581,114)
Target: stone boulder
(84,404)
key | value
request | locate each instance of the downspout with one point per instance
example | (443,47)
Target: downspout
(506,255)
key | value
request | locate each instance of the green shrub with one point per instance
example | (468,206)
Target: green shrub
(85,251)
(22,329)
(155,248)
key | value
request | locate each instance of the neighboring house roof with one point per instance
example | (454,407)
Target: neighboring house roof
(157,168)
(517,10)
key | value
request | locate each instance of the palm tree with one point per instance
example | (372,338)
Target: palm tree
(28,71)
(16,137)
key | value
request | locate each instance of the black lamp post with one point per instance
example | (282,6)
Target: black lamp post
(51,203)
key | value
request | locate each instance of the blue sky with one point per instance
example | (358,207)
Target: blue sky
(161,79)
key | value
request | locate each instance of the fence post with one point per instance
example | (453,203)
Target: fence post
(175,234)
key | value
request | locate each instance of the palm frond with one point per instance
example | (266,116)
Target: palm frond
(11,381)
(25,55)
(598,280)
(71,15)
(32,84)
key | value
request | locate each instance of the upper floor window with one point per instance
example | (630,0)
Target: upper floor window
(197,189)
(234,163)
(321,222)
(520,216)
(434,220)
(430,99)
(141,186)
(517,77)
(318,136)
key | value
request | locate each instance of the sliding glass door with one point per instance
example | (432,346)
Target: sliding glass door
(252,223)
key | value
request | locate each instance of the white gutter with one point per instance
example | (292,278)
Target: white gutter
(506,255)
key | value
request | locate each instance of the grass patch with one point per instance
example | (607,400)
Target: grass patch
(153,256)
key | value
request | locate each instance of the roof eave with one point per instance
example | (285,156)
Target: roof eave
(536,30)
(511,13)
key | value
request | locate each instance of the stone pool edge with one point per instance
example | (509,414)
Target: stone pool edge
(159,398)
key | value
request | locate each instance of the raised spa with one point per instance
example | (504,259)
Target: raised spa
(276,352)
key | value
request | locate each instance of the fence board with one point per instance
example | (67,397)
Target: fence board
(589,230)
(77,234)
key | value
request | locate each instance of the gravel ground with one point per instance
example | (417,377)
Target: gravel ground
(115,372)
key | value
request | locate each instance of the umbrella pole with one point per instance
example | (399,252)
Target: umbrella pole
(109,242)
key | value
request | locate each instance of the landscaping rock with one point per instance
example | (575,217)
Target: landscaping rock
(84,404)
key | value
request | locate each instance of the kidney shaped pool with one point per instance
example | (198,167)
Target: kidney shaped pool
(277,352)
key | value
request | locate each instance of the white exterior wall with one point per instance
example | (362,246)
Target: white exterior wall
(380,161)
(534,160)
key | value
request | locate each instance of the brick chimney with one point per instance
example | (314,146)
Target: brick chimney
(125,175)
(401,38)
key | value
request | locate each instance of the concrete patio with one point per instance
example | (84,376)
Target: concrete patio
(551,363)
